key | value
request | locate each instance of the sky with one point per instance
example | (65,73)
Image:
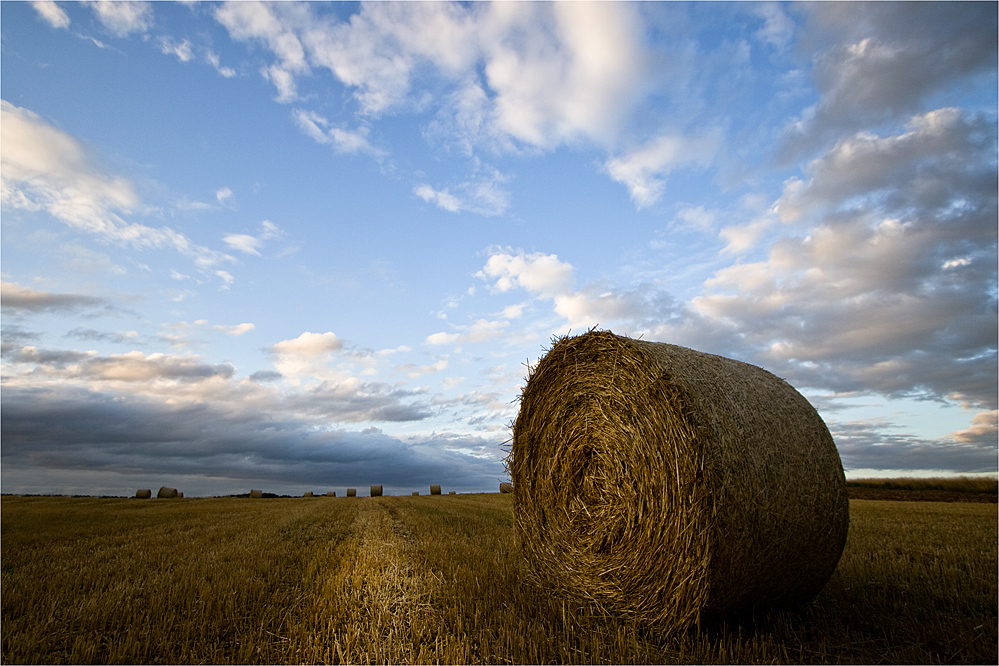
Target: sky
(305,247)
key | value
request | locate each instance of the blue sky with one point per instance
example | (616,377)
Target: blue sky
(309,246)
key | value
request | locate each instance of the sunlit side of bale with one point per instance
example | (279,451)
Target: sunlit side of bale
(351,492)
(670,485)
(376,491)
(256,494)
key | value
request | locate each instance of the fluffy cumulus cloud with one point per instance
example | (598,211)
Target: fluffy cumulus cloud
(44,169)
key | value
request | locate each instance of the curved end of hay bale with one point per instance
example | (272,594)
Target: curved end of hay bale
(435,489)
(351,492)
(143,493)
(671,485)
(166,493)
(506,487)
(376,491)
(256,494)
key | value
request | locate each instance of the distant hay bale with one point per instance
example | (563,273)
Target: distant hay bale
(331,493)
(166,493)
(451,492)
(308,493)
(376,491)
(435,489)
(256,494)
(672,486)
(180,495)
(351,492)
(506,487)
(416,493)
(143,493)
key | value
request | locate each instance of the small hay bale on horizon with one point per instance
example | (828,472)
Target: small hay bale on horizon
(376,491)
(351,492)
(506,487)
(451,492)
(435,489)
(143,493)
(166,493)
(256,494)
(331,493)
(308,493)
(416,493)
(671,486)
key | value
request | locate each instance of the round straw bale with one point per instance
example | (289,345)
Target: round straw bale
(180,495)
(351,492)
(416,493)
(144,493)
(165,492)
(451,492)
(376,491)
(435,489)
(256,494)
(506,487)
(308,493)
(670,485)
(331,493)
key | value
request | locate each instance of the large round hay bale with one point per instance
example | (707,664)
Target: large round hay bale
(143,493)
(256,494)
(166,493)
(506,487)
(351,492)
(435,489)
(376,491)
(331,493)
(672,486)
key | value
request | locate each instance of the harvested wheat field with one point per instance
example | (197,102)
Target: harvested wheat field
(671,486)
(417,580)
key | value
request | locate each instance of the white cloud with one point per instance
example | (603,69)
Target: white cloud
(309,344)
(643,171)
(224,196)
(483,194)
(238,329)
(181,49)
(124,18)
(51,12)
(244,243)
(342,140)
(440,198)
(45,169)
(443,338)
(539,273)
(213,59)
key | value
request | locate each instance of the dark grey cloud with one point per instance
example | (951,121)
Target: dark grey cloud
(875,445)
(17,298)
(887,60)
(76,434)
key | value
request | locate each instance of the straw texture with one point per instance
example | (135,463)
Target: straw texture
(670,485)
(144,493)
(256,494)
(331,493)
(506,487)
(351,492)
(435,489)
(376,491)
(165,492)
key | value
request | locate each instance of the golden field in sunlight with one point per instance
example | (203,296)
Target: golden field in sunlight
(441,579)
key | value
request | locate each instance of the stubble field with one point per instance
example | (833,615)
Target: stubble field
(440,579)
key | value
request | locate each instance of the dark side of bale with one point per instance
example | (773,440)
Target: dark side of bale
(376,491)
(166,493)
(506,487)
(435,489)
(256,494)
(351,492)
(672,486)
(143,493)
